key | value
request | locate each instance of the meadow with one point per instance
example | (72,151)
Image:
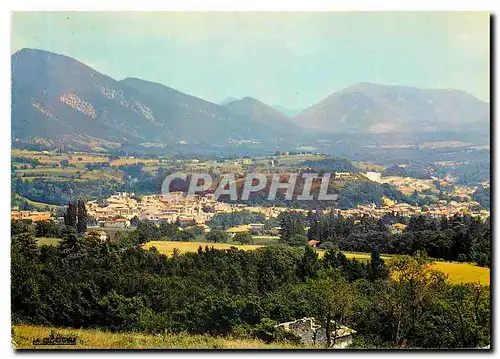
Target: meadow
(167,248)
(45,241)
(23,336)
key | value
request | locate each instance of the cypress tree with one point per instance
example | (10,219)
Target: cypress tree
(82,217)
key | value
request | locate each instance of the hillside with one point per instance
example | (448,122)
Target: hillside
(286,111)
(372,108)
(59,100)
(264,115)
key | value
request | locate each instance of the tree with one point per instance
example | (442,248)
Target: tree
(332,299)
(25,244)
(69,243)
(377,268)
(119,312)
(146,231)
(48,229)
(291,223)
(167,229)
(467,315)
(19,227)
(243,238)
(82,217)
(334,258)
(413,287)
(297,240)
(217,236)
(309,264)
(70,215)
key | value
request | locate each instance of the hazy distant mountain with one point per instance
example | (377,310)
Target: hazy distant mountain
(286,111)
(56,99)
(372,108)
(228,100)
(263,114)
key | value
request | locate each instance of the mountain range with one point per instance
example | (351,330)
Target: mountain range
(373,108)
(59,101)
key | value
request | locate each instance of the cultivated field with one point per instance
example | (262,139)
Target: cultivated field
(23,336)
(38,205)
(184,247)
(45,241)
(464,272)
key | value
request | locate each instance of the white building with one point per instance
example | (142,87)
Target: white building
(374,176)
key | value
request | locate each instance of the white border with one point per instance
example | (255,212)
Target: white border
(184,5)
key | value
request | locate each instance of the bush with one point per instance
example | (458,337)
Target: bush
(217,236)
(243,238)
(298,240)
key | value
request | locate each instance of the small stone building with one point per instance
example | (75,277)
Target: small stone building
(313,334)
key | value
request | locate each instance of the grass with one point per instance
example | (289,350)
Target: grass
(55,158)
(167,248)
(45,241)
(133,161)
(23,336)
(58,171)
(265,240)
(37,205)
(464,272)
(360,256)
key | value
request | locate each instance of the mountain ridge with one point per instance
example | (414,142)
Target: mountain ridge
(373,108)
(61,101)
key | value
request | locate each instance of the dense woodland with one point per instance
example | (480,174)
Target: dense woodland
(458,238)
(119,286)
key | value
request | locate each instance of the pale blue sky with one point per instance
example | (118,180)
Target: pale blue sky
(290,59)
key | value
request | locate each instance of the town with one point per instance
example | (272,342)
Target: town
(120,209)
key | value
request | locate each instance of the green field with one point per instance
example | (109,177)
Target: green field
(88,338)
(37,205)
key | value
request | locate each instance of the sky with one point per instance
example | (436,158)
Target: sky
(288,59)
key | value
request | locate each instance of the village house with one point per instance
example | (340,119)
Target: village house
(313,243)
(102,235)
(30,215)
(398,228)
(374,176)
(115,223)
(339,175)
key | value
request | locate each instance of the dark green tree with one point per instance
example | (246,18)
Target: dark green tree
(243,238)
(291,223)
(377,267)
(309,265)
(70,216)
(82,217)
(217,236)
